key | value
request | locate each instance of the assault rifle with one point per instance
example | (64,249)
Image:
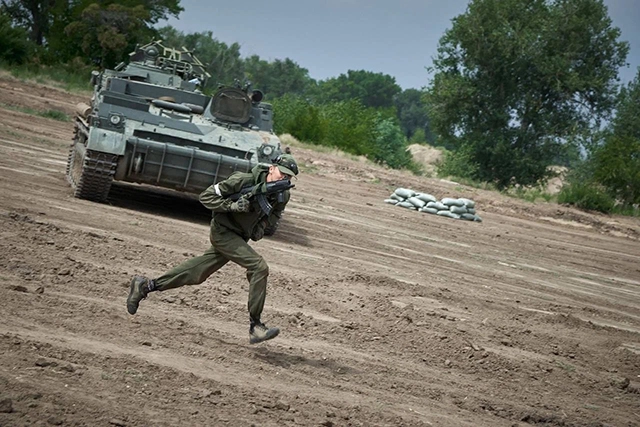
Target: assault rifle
(261,191)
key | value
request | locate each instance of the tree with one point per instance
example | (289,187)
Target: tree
(277,78)
(296,116)
(516,79)
(617,162)
(14,46)
(288,78)
(374,90)
(351,126)
(412,113)
(106,35)
(107,25)
(390,144)
(34,15)
(222,61)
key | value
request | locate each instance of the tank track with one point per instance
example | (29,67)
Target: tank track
(96,176)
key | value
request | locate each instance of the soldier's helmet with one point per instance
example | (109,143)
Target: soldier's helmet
(287,164)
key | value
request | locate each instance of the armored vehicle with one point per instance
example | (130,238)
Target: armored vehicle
(149,123)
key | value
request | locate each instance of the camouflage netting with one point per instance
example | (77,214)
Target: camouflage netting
(453,208)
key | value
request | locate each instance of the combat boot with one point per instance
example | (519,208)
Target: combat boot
(259,332)
(138,290)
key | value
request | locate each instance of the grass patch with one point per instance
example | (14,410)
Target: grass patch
(49,114)
(67,77)
(532,195)
(55,115)
(586,196)
(468,182)
(566,366)
(627,210)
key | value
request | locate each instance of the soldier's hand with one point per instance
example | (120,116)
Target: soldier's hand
(258,233)
(240,205)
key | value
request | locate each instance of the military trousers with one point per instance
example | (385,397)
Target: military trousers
(225,246)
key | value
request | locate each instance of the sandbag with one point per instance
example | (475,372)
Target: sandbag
(458,209)
(418,203)
(468,202)
(405,204)
(426,197)
(404,192)
(452,202)
(448,214)
(429,210)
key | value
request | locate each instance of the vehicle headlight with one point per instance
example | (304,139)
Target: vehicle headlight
(115,119)
(267,150)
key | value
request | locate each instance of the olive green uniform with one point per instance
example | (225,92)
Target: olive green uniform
(230,232)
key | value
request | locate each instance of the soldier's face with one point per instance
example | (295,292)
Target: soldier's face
(276,175)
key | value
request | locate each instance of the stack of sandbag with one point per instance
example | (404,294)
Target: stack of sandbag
(459,208)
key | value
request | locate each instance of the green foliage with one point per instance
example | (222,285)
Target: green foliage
(297,117)
(348,125)
(390,144)
(285,76)
(277,78)
(615,162)
(71,76)
(412,115)
(585,195)
(529,194)
(459,164)
(374,90)
(418,137)
(617,167)
(518,78)
(49,114)
(351,127)
(100,31)
(35,16)
(105,34)
(55,115)
(14,47)
(222,61)
(626,121)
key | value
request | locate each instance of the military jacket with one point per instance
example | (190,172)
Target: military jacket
(215,198)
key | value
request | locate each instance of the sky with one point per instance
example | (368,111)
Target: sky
(330,37)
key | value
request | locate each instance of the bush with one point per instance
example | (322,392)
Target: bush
(295,116)
(350,127)
(617,167)
(586,196)
(390,145)
(458,164)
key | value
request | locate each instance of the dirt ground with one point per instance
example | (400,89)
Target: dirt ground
(389,317)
